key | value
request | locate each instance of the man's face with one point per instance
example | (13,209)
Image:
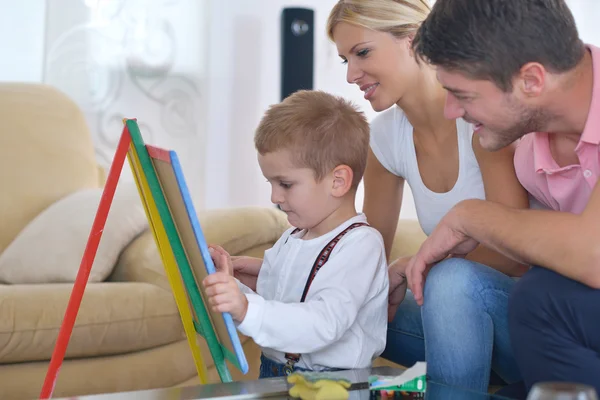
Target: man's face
(499,118)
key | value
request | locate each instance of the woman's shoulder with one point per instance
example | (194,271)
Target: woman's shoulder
(391,139)
(393,117)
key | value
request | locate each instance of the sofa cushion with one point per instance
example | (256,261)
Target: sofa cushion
(114,318)
(50,248)
(408,239)
(46,152)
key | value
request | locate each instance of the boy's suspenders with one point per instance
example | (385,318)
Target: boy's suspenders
(292,359)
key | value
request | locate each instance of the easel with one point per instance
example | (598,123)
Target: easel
(179,238)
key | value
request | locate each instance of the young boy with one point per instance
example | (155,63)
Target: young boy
(320,300)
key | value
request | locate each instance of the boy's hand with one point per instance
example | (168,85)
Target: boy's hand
(246,269)
(398,285)
(224,295)
(221,258)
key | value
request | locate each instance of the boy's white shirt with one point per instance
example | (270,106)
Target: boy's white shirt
(343,321)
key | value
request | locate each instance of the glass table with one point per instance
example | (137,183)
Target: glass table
(277,388)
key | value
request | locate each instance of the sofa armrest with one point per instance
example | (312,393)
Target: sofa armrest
(237,230)
(407,240)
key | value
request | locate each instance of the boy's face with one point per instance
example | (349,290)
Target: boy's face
(295,190)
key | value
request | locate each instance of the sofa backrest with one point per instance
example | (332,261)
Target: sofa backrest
(46,153)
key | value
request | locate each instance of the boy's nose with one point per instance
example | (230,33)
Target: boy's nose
(276,197)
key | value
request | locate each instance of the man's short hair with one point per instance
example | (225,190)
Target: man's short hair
(493,39)
(320,130)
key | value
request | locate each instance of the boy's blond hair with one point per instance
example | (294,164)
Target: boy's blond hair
(320,130)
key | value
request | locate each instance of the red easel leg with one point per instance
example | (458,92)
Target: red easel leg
(86,265)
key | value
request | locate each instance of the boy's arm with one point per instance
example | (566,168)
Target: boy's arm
(243,288)
(246,270)
(333,302)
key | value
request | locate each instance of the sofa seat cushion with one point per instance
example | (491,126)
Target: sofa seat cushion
(159,367)
(114,318)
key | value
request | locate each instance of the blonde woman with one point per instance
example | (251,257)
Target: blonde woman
(462,328)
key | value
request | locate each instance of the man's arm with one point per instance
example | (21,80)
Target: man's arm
(564,242)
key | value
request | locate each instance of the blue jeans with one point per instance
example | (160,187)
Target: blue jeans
(270,368)
(555,330)
(462,328)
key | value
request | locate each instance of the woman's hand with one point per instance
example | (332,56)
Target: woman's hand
(398,285)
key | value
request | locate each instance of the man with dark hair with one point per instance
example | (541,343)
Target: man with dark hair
(517,69)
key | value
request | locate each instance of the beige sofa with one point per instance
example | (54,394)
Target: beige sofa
(128,334)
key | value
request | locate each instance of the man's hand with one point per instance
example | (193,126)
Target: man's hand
(221,258)
(397,276)
(246,270)
(447,239)
(224,295)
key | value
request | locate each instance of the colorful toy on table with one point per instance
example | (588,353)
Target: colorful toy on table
(411,381)
(318,386)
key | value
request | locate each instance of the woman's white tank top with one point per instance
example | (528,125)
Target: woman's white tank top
(393,145)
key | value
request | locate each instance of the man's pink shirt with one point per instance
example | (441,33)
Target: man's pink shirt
(567,188)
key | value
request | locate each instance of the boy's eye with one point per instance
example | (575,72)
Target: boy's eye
(285,185)
(344,61)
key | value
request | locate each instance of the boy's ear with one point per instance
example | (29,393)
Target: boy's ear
(342,180)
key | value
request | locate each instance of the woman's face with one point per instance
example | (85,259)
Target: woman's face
(379,63)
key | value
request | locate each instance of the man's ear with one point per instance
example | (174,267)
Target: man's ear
(342,180)
(532,79)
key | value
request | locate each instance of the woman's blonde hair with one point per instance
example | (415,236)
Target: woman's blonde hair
(401,18)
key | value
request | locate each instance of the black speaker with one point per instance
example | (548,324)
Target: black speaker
(297,50)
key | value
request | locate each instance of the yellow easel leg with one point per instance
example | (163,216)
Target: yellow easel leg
(169,262)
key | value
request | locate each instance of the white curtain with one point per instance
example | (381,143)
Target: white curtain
(141,59)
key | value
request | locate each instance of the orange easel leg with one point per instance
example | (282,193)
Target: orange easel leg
(85,267)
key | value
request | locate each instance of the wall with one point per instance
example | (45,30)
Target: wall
(244,79)
(235,63)
(587,14)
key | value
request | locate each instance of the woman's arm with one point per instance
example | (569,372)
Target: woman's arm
(383,197)
(501,186)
